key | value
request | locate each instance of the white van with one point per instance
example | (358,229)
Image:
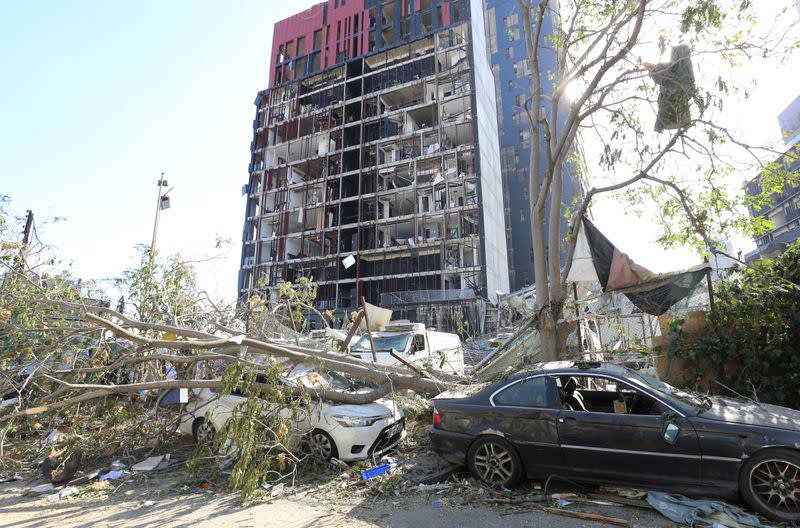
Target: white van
(424,348)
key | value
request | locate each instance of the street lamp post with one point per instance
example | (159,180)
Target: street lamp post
(161,203)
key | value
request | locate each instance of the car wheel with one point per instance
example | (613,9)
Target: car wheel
(322,446)
(494,461)
(770,483)
(203,431)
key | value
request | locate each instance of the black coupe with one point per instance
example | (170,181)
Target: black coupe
(606,423)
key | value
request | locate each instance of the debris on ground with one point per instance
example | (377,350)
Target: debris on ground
(377,471)
(587,516)
(151,463)
(42,488)
(66,492)
(628,493)
(684,510)
(277,491)
(114,474)
(432,487)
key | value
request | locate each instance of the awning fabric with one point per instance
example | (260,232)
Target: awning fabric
(596,259)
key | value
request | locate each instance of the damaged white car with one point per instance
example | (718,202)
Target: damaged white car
(331,430)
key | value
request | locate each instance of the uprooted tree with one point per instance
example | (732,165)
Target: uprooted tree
(660,130)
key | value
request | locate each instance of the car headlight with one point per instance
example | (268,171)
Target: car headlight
(357,421)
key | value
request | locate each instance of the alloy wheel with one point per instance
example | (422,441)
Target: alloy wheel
(777,484)
(205,432)
(494,463)
(320,444)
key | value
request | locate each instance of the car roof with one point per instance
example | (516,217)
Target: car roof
(577,368)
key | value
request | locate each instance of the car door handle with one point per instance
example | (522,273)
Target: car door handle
(568,420)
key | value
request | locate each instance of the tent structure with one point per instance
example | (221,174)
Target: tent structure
(596,259)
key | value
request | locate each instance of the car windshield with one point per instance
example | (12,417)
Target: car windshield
(383,343)
(681,398)
(314,378)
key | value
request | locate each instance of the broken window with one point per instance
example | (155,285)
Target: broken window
(531,392)
(604,395)
(511,20)
(525,138)
(521,67)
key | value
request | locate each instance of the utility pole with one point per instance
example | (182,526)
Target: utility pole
(26,236)
(161,184)
(162,202)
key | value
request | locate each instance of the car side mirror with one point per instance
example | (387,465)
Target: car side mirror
(671,432)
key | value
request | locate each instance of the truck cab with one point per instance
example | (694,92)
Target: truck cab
(424,348)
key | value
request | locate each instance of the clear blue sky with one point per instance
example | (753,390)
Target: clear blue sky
(99,97)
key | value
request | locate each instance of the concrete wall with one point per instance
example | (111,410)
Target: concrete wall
(491,179)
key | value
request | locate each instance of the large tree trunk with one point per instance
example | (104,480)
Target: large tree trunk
(548,335)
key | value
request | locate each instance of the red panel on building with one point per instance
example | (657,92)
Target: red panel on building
(299,29)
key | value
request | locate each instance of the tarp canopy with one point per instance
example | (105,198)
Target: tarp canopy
(596,259)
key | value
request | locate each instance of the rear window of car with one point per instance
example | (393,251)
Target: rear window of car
(531,392)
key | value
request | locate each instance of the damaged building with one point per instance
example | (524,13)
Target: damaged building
(375,165)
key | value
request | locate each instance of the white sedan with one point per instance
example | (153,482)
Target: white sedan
(332,430)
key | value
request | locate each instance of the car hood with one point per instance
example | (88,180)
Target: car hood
(751,413)
(381,407)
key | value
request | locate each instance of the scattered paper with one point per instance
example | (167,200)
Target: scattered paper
(66,492)
(42,488)
(114,475)
(148,464)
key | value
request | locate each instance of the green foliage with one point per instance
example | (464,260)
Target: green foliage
(30,329)
(161,291)
(257,435)
(703,15)
(759,329)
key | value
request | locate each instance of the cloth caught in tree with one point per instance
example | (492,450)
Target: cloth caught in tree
(676,80)
(596,259)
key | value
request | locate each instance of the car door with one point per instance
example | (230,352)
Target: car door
(526,411)
(627,447)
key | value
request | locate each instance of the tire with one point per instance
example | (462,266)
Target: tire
(322,446)
(769,482)
(494,461)
(203,431)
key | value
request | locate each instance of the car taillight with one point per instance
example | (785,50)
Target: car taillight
(437,418)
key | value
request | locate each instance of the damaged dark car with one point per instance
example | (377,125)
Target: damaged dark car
(605,423)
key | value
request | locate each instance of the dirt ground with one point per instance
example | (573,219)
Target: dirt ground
(149,506)
(329,497)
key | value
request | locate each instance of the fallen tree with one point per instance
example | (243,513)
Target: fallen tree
(71,363)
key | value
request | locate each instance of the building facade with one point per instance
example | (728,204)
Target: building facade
(783,212)
(375,166)
(510,67)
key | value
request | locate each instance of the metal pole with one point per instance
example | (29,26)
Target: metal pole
(369,332)
(578,316)
(150,261)
(161,185)
(26,234)
(19,264)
